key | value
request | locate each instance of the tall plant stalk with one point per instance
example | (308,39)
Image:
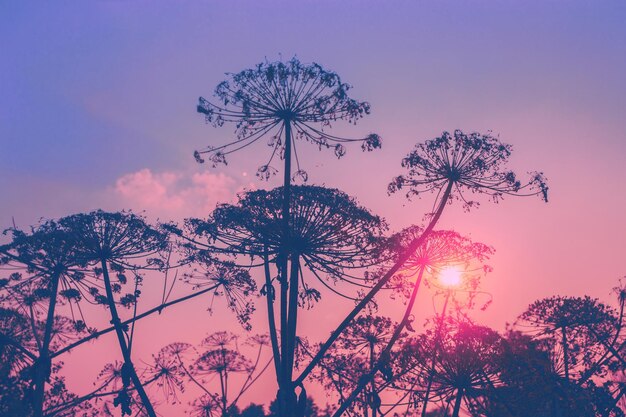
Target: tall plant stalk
(128,369)
(287,287)
(431,371)
(43,363)
(270,297)
(457,403)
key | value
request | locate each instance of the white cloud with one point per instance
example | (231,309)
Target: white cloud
(174,195)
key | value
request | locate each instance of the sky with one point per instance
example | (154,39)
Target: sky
(97,110)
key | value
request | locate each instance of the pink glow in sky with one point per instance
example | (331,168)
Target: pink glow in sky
(98,111)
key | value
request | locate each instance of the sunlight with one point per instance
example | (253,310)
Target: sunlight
(450,276)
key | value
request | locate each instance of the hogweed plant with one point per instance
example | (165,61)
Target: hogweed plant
(280,102)
(283,101)
(464,366)
(580,331)
(330,237)
(439,251)
(448,166)
(353,356)
(45,272)
(214,368)
(116,245)
(473,163)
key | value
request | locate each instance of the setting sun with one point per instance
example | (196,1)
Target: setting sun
(450,276)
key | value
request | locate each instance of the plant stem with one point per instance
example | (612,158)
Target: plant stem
(565,354)
(457,403)
(115,319)
(372,382)
(271,295)
(283,383)
(43,363)
(157,309)
(434,358)
(385,355)
(292,319)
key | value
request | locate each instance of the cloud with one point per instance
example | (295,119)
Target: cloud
(174,195)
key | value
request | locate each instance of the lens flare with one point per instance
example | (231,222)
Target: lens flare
(450,276)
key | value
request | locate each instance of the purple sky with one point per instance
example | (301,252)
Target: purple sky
(97,109)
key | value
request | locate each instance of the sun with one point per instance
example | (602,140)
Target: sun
(450,276)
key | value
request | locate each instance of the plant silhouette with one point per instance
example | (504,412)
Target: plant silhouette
(299,247)
(284,101)
(119,244)
(329,236)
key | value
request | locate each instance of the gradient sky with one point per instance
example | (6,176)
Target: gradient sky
(97,109)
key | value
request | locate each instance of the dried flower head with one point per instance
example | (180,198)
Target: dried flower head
(456,359)
(119,237)
(166,370)
(577,329)
(275,96)
(206,406)
(228,280)
(45,264)
(222,361)
(442,249)
(471,162)
(328,230)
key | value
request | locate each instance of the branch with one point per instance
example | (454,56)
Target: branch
(157,309)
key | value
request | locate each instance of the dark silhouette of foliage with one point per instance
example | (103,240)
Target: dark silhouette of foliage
(309,409)
(46,270)
(18,370)
(60,264)
(440,249)
(16,340)
(293,101)
(580,335)
(119,243)
(299,237)
(352,357)
(15,334)
(450,181)
(576,329)
(440,412)
(464,362)
(528,384)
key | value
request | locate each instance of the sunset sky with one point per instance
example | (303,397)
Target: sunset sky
(97,110)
